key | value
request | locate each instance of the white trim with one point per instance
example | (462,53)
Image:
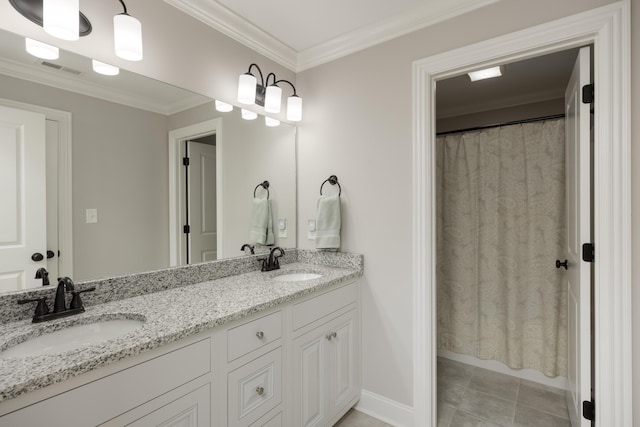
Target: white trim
(36,74)
(608,28)
(495,366)
(385,409)
(230,24)
(239,29)
(65,183)
(176,221)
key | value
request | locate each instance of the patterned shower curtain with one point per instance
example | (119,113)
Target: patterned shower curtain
(501,226)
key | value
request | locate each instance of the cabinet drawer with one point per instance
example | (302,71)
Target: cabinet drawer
(252,335)
(316,308)
(254,389)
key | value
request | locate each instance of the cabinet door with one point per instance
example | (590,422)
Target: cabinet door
(191,410)
(343,354)
(310,379)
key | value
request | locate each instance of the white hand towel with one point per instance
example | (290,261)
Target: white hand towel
(261,231)
(328,223)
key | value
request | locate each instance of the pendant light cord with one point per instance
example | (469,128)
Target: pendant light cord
(124,6)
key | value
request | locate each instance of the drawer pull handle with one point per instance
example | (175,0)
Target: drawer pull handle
(260,335)
(260,391)
(331,335)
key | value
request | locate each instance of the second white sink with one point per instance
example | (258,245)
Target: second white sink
(73,337)
(296,277)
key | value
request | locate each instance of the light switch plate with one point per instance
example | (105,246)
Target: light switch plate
(91,216)
(282,228)
(311,229)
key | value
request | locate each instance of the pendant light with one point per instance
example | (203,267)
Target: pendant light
(127,36)
(223,107)
(248,115)
(60,18)
(271,122)
(104,69)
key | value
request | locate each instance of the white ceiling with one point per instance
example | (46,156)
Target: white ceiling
(300,34)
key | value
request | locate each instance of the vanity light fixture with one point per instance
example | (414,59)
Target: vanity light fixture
(63,19)
(271,122)
(41,50)
(105,69)
(223,107)
(127,36)
(248,115)
(487,73)
(268,95)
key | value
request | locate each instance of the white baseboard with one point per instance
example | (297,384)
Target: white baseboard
(494,365)
(385,409)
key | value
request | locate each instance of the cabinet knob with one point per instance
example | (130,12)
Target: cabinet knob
(260,335)
(331,335)
(260,390)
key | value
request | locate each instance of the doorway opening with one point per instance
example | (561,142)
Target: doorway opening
(502,300)
(607,29)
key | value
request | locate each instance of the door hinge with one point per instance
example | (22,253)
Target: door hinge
(185,161)
(186,229)
(588,93)
(589,410)
(588,252)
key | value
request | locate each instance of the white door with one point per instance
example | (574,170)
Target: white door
(23,211)
(202,202)
(578,274)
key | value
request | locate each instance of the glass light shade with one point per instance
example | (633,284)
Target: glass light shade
(106,69)
(223,107)
(271,122)
(249,115)
(61,18)
(127,37)
(273,99)
(41,50)
(294,108)
(247,89)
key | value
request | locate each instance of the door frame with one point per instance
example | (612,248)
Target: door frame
(608,29)
(176,182)
(65,175)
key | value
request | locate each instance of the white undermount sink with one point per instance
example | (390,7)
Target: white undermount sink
(73,337)
(296,277)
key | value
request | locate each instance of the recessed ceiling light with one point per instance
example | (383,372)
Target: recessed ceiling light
(106,69)
(485,74)
(41,50)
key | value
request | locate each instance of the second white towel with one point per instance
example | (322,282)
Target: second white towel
(261,223)
(328,223)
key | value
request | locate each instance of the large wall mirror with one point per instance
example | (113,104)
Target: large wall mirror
(130,195)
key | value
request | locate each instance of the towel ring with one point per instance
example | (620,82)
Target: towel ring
(333,180)
(264,185)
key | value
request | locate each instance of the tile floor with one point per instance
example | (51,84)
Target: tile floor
(470,396)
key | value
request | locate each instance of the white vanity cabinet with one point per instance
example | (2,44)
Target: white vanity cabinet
(296,364)
(326,354)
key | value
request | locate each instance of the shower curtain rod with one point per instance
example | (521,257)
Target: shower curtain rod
(516,122)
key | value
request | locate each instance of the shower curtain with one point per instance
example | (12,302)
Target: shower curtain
(501,226)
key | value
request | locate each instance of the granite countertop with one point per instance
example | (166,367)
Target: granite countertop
(169,316)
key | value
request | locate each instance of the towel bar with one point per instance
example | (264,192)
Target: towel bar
(333,180)
(264,185)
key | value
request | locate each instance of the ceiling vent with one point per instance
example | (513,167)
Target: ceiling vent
(61,68)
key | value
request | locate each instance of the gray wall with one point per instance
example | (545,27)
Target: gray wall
(358,125)
(120,168)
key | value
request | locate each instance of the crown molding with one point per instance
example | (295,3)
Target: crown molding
(387,29)
(34,74)
(232,25)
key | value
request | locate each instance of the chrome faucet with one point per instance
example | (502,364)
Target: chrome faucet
(272,262)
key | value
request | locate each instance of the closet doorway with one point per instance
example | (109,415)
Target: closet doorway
(506,311)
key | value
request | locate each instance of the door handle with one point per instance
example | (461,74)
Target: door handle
(564,264)
(37,257)
(50,254)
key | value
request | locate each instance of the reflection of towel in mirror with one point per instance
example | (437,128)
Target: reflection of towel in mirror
(261,223)
(328,223)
